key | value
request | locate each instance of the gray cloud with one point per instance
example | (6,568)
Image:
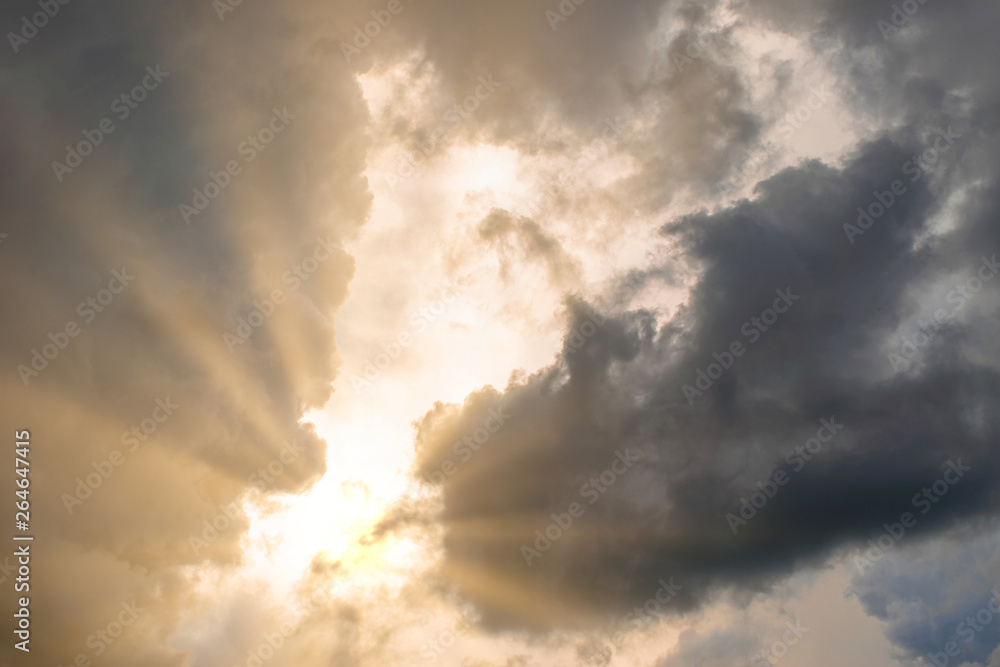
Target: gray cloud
(931,596)
(623,389)
(827,357)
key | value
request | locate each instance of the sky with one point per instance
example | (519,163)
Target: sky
(545,332)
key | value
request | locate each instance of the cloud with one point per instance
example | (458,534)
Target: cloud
(827,357)
(928,595)
(162,337)
(719,649)
(624,390)
(260,261)
(534,244)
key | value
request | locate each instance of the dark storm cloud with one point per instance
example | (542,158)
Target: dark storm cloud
(823,359)
(938,63)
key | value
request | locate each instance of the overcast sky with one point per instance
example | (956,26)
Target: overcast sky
(428,332)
